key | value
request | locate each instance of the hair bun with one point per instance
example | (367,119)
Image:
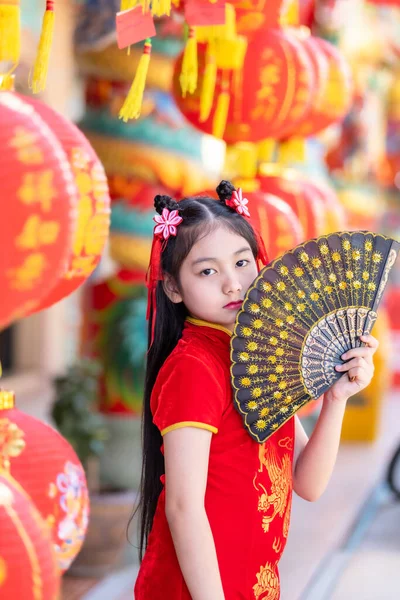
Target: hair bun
(225,190)
(161,202)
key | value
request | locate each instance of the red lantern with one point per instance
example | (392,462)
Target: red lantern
(308,125)
(335,216)
(306,12)
(253,15)
(93,217)
(46,466)
(333,96)
(136,192)
(287,185)
(273,219)
(28,568)
(276,222)
(272,90)
(38,200)
(250,15)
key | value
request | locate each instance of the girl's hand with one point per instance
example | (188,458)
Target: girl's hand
(357,371)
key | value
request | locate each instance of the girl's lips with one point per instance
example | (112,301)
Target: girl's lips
(234,305)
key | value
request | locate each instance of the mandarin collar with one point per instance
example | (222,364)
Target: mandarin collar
(211,330)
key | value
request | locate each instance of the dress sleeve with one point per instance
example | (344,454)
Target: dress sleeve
(191,395)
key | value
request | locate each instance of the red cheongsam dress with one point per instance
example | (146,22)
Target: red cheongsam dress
(249,485)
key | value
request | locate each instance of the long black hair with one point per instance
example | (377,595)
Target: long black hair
(200,215)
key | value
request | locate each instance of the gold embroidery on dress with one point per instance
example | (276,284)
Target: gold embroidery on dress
(277,545)
(275,501)
(286,520)
(267,581)
(286,442)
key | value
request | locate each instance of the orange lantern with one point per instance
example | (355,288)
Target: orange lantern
(38,200)
(257,102)
(93,218)
(46,466)
(334,91)
(28,568)
(287,185)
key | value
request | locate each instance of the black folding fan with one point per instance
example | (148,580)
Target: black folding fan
(301,314)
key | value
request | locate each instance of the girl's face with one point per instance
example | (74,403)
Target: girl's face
(215,277)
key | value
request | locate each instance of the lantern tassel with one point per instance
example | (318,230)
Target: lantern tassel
(10,31)
(145,5)
(293,150)
(231,53)
(221,114)
(41,66)
(160,8)
(189,72)
(127,4)
(133,103)
(208,87)
(266,150)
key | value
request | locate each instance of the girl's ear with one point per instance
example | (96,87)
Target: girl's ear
(171,289)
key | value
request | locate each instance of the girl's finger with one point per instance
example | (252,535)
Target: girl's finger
(364,352)
(357,374)
(357,362)
(371,342)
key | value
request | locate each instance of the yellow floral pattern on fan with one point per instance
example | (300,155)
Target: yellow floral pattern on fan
(300,315)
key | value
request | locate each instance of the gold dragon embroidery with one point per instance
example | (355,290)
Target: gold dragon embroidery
(267,581)
(276,501)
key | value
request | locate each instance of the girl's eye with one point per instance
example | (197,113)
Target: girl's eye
(242,263)
(208,272)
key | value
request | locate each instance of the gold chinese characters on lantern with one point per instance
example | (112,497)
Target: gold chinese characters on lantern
(93,208)
(38,203)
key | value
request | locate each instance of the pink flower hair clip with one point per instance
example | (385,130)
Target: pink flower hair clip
(167,223)
(238,203)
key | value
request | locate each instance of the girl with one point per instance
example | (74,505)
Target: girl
(215,504)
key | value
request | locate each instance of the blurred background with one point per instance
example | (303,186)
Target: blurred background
(296,101)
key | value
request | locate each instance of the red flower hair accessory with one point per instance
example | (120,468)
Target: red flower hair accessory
(238,203)
(167,223)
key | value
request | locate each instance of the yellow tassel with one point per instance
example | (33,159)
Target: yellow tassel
(133,103)
(221,114)
(208,87)
(247,160)
(160,8)
(266,150)
(10,31)
(41,66)
(230,54)
(293,150)
(189,72)
(145,5)
(127,4)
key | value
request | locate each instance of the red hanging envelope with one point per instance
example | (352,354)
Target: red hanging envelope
(203,12)
(134,26)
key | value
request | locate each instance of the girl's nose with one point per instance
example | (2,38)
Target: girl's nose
(232,284)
